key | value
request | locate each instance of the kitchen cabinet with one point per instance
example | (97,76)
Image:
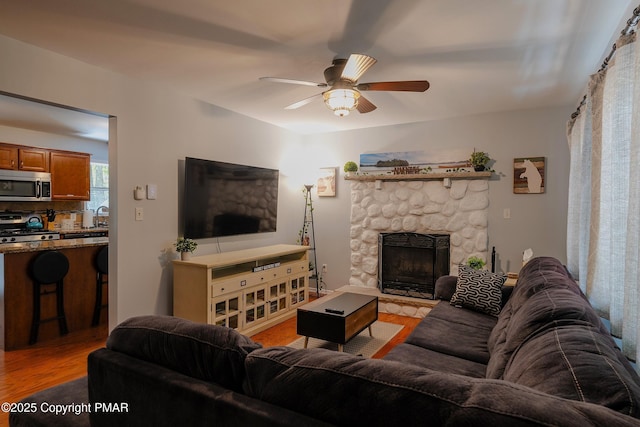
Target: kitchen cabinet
(24,158)
(33,159)
(70,170)
(248,290)
(8,156)
(70,173)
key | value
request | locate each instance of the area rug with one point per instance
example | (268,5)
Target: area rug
(362,344)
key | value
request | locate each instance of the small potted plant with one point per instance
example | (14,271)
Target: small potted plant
(476,263)
(350,167)
(479,160)
(185,247)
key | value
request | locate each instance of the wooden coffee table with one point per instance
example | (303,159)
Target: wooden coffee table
(337,317)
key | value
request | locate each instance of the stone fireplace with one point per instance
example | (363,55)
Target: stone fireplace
(457,207)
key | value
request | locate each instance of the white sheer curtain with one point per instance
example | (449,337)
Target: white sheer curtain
(603,232)
(579,209)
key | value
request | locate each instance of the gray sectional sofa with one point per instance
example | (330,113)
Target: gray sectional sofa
(545,359)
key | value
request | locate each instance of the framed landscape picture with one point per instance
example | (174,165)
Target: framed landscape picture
(429,159)
(528,175)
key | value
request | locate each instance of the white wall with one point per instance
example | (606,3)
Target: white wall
(155,129)
(538,221)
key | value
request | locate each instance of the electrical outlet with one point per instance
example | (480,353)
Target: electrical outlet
(139,214)
(506,213)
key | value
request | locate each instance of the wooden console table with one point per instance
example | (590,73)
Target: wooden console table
(248,290)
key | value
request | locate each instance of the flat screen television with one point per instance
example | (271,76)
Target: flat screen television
(226,199)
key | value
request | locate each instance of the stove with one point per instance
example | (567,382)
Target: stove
(27,236)
(20,227)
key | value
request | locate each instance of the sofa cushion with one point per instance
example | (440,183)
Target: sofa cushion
(471,330)
(538,274)
(423,357)
(457,315)
(546,300)
(347,390)
(576,362)
(496,344)
(208,352)
(479,290)
(161,397)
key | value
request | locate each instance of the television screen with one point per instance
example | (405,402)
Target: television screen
(226,199)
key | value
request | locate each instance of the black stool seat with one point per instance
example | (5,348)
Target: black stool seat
(48,268)
(102,265)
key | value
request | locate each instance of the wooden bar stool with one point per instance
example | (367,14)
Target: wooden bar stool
(102,265)
(48,268)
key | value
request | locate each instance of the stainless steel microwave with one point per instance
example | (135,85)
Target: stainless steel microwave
(23,186)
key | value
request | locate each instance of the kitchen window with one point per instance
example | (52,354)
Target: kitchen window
(99,186)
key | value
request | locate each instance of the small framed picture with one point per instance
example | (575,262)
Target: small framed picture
(327,182)
(528,175)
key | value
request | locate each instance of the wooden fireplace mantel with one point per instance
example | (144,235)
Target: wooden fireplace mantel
(420,176)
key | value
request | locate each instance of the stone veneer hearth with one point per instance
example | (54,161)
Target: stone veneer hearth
(422,206)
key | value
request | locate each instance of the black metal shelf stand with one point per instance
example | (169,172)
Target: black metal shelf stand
(308,235)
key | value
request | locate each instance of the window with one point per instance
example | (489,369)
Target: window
(99,186)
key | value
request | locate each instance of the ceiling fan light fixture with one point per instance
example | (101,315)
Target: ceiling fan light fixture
(343,94)
(341,112)
(341,101)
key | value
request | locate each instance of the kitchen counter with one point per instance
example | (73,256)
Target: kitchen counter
(13,248)
(16,289)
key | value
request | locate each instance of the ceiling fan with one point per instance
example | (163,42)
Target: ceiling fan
(343,95)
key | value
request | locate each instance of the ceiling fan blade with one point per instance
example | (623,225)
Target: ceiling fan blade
(294,82)
(364,105)
(302,103)
(356,66)
(406,86)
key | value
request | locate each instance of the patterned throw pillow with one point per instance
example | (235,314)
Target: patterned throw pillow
(479,290)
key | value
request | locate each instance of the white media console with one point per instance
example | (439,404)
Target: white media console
(248,290)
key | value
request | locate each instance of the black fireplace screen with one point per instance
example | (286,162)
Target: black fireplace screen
(410,263)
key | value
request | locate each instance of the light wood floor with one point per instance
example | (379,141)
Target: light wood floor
(43,365)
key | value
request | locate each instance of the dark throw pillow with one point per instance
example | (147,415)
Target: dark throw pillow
(479,290)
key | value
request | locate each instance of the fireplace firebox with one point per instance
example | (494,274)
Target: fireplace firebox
(410,263)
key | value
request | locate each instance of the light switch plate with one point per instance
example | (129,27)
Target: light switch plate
(139,214)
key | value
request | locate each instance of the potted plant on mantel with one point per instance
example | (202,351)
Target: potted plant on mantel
(185,247)
(479,160)
(350,167)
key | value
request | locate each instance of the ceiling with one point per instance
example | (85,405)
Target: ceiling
(18,112)
(483,56)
